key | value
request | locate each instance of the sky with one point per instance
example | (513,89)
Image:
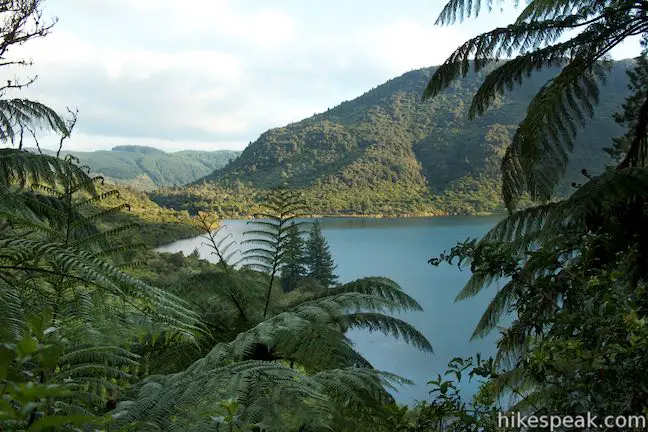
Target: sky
(215,74)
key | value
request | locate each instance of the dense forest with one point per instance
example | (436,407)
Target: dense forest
(388,153)
(146,168)
(99,333)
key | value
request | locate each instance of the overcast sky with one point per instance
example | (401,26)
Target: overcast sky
(215,74)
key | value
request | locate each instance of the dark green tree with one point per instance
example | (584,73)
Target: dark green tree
(318,257)
(294,268)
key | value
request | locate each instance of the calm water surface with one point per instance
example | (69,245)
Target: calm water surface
(399,249)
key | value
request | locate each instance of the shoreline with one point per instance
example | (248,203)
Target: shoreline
(377,215)
(350,216)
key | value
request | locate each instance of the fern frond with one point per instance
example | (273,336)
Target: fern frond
(458,10)
(489,47)
(22,168)
(388,325)
(116,250)
(281,207)
(539,10)
(17,257)
(262,391)
(19,114)
(99,354)
(97,198)
(12,309)
(380,287)
(539,223)
(19,210)
(520,224)
(105,235)
(537,157)
(498,306)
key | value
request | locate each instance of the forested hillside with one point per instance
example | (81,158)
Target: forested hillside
(150,224)
(97,334)
(146,168)
(388,152)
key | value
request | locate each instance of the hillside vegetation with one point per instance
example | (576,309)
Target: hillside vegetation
(91,339)
(387,152)
(146,168)
(151,224)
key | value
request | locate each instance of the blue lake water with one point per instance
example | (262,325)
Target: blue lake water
(399,249)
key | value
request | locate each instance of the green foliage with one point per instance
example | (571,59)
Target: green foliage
(318,257)
(328,381)
(575,286)
(20,115)
(86,346)
(156,225)
(32,398)
(258,368)
(538,156)
(387,153)
(302,334)
(54,256)
(21,168)
(572,270)
(60,366)
(271,240)
(574,291)
(449,411)
(68,287)
(146,168)
(294,269)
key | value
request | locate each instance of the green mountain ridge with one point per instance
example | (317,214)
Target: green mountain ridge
(147,168)
(386,152)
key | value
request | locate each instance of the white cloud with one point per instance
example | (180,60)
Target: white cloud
(213,73)
(629,48)
(406,45)
(206,21)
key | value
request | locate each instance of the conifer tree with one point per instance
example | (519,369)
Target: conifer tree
(318,257)
(294,268)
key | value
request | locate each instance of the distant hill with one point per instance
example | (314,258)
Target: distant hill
(147,168)
(387,152)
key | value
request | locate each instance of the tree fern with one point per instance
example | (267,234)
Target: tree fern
(537,157)
(542,250)
(250,368)
(252,383)
(50,253)
(37,261)
(268,238)
(574,269)
(224,248)
(22,168)
(17,115)
(292,369)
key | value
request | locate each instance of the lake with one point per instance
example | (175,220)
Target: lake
(399,249)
